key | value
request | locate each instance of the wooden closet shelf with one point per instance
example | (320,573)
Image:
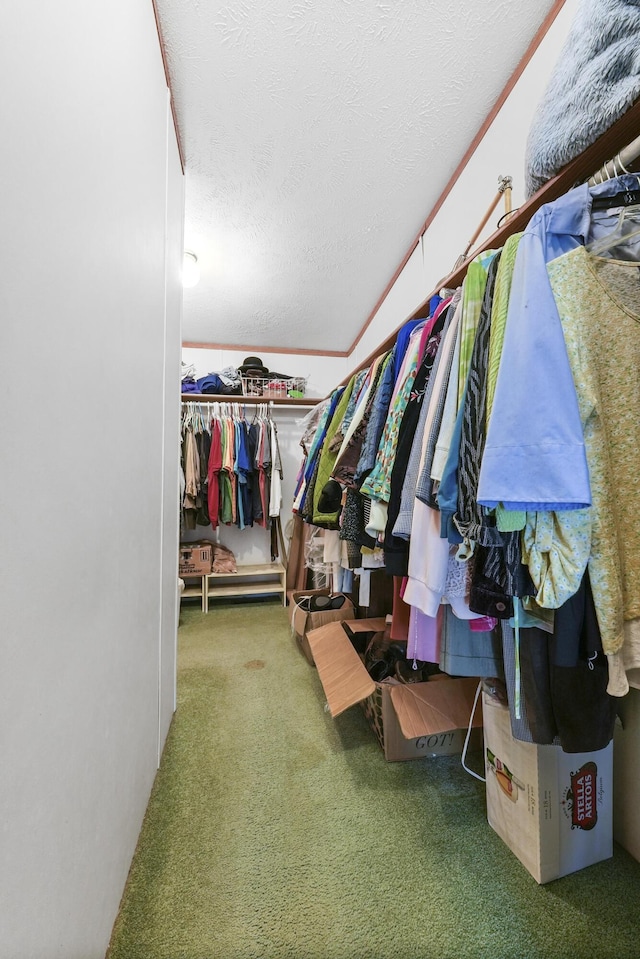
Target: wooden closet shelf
(253,400)
(259,569)
(195,587)
(269,578)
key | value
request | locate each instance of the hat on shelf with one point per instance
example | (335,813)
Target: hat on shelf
(254,366)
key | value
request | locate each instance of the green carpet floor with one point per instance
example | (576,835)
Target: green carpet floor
(275,832)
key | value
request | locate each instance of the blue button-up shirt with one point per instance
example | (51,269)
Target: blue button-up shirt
(534,458)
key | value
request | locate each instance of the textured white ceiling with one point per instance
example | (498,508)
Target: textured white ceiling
(317,136)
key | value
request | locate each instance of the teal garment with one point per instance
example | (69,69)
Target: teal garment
(377,485)
(379,410)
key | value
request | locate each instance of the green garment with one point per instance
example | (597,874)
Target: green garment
(473,289)
(327,461)
(508,520)
(499,312)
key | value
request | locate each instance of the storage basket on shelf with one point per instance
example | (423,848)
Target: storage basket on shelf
(273,388)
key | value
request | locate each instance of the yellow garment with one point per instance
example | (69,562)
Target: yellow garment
(507,520)
(499,311)
(556,547)
(599,306)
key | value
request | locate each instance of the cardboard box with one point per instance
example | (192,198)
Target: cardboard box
(303,622)
(626,774)
(553,809)
(195,559)
(410,721)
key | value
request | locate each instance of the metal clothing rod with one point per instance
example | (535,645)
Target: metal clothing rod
(619,164)
(505,184)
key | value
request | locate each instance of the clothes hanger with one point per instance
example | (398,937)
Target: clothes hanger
(625,205)
(625,198)
(627,227)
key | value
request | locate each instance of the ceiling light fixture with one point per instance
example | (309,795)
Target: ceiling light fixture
(190,269)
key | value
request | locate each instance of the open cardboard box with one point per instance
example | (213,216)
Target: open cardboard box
(195,559)
(302,622)
(411,721)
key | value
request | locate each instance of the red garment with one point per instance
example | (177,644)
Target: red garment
(401,611)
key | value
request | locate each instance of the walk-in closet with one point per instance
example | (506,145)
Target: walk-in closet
(321,510)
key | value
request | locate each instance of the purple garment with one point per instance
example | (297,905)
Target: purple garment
(189,386)
(424,636)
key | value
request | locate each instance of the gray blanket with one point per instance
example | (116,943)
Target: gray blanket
(596,79)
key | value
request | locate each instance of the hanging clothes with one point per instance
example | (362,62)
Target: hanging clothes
(227,467)
(497,454)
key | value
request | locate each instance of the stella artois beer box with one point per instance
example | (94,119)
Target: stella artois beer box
(553,809)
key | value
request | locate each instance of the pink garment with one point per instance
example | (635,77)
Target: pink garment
(483,625)
(213,470)
(429,325)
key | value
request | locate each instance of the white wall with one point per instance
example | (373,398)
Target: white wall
(89,335)
(174,245)
(501,152)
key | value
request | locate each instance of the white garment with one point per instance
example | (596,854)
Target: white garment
(332,546)
(377,522)
(275,490)
(438,386)
(374,560)
(618,684)
(449,413)
(435,575)
(360,408)
(428,561)
(629,675)
(364,591)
